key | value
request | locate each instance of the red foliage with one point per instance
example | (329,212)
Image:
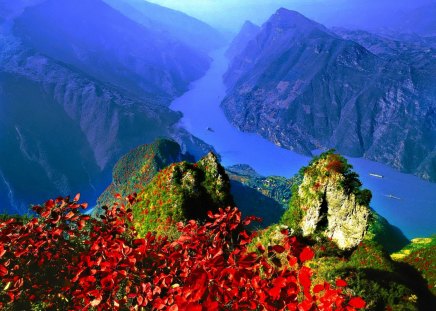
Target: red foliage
(70,261)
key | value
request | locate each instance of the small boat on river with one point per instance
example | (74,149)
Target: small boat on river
(390,196)
(375,175)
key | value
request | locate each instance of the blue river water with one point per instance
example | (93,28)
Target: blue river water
(413,209)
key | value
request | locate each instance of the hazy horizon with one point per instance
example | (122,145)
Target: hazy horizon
(229,15)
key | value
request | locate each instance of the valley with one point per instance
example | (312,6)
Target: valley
(413,213)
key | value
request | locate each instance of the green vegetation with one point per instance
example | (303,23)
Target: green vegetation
(265,197)
(21,218)
(178,192)
(421,254)
(277,188)
(368,269)
(168,193)
(138,167)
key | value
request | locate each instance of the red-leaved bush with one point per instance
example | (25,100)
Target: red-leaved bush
(69,261)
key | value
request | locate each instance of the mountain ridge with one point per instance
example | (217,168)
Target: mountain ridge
(311,89)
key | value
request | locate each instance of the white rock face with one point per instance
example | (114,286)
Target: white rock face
(328,208)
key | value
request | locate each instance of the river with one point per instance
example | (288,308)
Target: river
(413,209)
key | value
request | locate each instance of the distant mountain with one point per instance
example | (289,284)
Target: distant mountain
(184,28)
(80,85)
(304,87)
(100,41)
(245,35)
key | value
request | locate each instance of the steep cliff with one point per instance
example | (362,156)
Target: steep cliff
(329,200)
(303,87)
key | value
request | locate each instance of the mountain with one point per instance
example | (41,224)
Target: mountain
(168,190)
(245,35)
(100,41)
(62,131)
(183,28)
(265,197)
(304,87)
(138,167)
(76,93)
(411,49)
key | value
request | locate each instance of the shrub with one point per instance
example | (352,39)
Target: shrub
(68,261)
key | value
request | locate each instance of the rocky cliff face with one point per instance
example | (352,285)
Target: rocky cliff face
(178,192)
(329,200)
(304,87)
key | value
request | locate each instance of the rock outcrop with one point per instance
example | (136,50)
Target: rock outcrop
(303,87)
(168,191)
(329,201)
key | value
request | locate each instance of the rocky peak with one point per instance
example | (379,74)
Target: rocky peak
(287,19)
(210,163)
(138,167)
(329,201)
(169,187)
(249,26)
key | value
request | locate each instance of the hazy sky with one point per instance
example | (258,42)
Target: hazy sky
(230,14)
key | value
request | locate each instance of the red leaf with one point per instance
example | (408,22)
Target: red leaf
(341,283)
(69,215)
(357,302)
(292,260)
(318,288)
(260,248)
(304,277)
(306,254)
(200,285)
(77,197)
(278,249)
(3,270)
